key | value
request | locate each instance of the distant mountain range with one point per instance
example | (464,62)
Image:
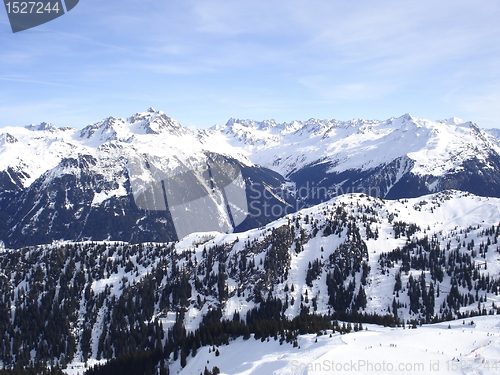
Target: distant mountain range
(398,158)
(64,183)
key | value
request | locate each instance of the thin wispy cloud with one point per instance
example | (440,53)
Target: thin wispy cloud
(24,80)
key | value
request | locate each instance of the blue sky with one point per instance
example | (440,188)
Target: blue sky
(203,62)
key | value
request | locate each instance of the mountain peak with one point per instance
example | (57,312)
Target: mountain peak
(454,121)
(7,138)
(149,122)
(407,117)
(155,122)
(42,127)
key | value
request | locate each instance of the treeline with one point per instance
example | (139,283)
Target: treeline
(265,322)
(139,362)
(18,370)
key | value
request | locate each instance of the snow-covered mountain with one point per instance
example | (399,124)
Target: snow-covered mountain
(354,258)
(34,150)
(64,183)
(321,245)
(396,158)
(494,132)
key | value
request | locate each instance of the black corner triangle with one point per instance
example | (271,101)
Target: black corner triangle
(70,4)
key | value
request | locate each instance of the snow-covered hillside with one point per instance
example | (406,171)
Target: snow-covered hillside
(457,347)
(410,261)
(322,234)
